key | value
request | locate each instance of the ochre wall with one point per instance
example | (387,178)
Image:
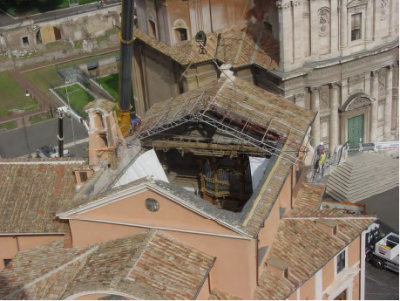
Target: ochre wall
(307,290)
(328,274)
(204,291)
(86,233)
(170,215)
(233,272)
(354,252)
(10,246)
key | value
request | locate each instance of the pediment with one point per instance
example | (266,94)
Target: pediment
(357,3)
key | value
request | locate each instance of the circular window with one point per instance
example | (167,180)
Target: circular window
(152,205)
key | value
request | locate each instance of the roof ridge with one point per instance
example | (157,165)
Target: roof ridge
(138,255)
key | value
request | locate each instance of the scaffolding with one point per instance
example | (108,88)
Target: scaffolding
(258,129)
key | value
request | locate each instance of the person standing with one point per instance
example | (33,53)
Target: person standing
(318,150)
(321,162)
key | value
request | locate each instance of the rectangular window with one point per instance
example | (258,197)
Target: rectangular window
(356,27)
(7,261)
(340,262)
(181,34)
(83,177)
(25,41)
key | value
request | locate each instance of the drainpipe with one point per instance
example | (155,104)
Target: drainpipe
(257,242)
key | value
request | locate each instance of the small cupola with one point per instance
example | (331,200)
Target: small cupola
(278,267)
(329,226)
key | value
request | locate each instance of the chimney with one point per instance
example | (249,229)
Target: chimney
(278,267)
(226,73)
(329,226)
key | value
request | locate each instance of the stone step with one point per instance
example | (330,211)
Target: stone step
(363,176)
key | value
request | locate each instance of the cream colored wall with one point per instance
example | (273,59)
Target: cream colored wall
(170,215)
(10,246)
(95,297)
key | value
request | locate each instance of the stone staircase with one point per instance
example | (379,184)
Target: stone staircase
(363,176)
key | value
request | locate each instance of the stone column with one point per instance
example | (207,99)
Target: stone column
(374,109)
(388,104)
(314,27)
(377,19)
(343,24)
(344,90)
(334,118)
(316,126)
(285,34)
(368,22)
(298,32)
(391,16)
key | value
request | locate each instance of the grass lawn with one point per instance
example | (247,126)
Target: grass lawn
(42,78)
(78,97)
(8,125)
(12,96)
(110,84)
(39,118)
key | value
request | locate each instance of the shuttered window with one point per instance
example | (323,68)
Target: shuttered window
(356,27)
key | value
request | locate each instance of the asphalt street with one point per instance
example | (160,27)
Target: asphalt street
(386,207)
(6,20)
(13,143)
(381,284)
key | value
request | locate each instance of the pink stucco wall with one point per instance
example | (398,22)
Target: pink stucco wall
(10,245)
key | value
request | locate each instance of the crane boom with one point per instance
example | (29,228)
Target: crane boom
(125,74)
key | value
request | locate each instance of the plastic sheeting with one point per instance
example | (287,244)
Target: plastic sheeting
(257,166)
(146,165)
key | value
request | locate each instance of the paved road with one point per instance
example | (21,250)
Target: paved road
(381,284)
(386,207)
(13,143)
(6,20)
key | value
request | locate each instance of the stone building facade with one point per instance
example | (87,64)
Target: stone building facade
(30,36)
(336,57)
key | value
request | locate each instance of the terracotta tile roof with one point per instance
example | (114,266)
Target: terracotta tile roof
(31,191)
(309,196)
(33,273)
(240,45)
(150,265)
(272,287)
(216,294)
(306,248)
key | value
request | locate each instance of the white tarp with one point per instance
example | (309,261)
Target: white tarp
(257,167)
(146,165)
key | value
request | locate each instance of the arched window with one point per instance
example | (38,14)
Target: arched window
(152,29)
(181,34)
(181,30)
(267,26)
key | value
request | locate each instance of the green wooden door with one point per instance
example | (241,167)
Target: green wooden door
(355,130)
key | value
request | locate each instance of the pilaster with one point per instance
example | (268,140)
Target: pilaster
(388,104)
(334,115)
(343,24)
(316,126)
(285,33)
(334,26)
(369,23)
(374,109)
(314,25)
(298,32)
